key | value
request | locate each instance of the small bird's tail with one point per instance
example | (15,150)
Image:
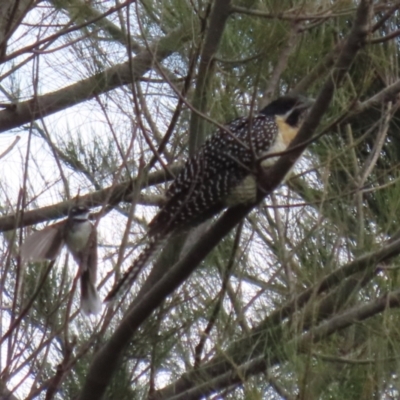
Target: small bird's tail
(149,253)
(90,299)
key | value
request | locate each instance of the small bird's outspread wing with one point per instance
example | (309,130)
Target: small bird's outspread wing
(145,258)
(42,245)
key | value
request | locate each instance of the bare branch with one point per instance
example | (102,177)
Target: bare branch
(86,11)
(103,82)
(115,194)
(219,16)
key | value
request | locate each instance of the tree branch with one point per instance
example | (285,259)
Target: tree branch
(113,194)
(218,19)
(112,78)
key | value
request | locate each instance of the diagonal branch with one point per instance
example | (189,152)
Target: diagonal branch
(113,195)
(219,16)
(355,40)
(87,12)
(11,15)
(110,79)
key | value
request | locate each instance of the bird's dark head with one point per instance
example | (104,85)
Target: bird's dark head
(292,109)
(79,213)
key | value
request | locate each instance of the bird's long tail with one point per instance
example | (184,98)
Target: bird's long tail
(90,299)
(149,253)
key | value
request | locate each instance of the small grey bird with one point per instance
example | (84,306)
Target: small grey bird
(80,237)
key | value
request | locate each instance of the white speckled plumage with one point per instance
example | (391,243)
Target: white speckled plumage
(221,174)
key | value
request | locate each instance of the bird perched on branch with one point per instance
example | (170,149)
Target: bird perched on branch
(80,237)
(221,174)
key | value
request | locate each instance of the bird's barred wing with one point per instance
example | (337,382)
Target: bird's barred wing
(199,190)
